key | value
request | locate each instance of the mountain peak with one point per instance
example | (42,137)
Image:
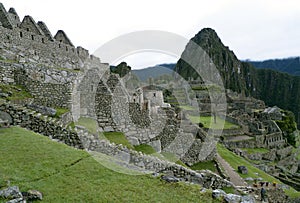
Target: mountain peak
(206,36)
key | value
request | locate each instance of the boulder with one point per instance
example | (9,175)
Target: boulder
(232,198)
(218,193)
(5,117)
(11,193)
(18,200)
(42,109)
(34,195)
(243,169)
(170,179)
(247,199)
(249,179)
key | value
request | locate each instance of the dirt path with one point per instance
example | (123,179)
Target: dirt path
(233,175)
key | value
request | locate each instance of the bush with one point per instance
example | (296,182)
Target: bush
(288,127)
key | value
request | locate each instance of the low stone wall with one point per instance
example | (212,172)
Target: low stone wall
(150,163)
(44,125)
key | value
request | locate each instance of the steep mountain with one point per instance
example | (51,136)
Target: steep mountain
(275,88)
(155,71)
(287,65)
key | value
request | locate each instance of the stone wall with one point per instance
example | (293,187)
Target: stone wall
(147,163)
(44,125)
(163,131)
(24,46)
(82,139)
(6,73)
(49,87)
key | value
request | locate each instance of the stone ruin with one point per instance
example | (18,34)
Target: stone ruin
(59,75)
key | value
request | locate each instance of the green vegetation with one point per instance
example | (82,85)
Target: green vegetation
(206,165)
(146,149)
(199,88)
(90,124)
(229,190)
(297,152)
(60,112)
(255,150)
(235,161)
(208,122)
(118,138)
(65,174)
(122,69)
(288,125)
(15,92)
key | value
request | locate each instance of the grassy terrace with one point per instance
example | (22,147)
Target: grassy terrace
(210,165)
(236,161)
(65,174)
(118,138)
(208,122)
(60,112)
(16,93)
(89,123)
(256,150)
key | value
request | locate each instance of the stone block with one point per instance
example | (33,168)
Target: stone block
(243,169)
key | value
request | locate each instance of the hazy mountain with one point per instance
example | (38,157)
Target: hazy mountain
(287,65)
(154,72)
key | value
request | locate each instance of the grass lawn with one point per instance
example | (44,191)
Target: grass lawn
(206,165)
(208,122)
(65,174)
(235,161)
(90,124)
(60,112)
(256,150)
(118,138)
(146,149)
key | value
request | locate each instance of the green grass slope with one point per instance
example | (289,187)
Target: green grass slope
(235,161)
(65,174)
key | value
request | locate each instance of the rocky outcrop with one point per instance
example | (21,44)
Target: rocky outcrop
(14,195)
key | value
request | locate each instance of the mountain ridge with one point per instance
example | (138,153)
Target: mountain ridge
(154,71)
(289,65)
(273,87)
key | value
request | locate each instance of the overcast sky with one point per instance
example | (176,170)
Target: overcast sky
(254,29)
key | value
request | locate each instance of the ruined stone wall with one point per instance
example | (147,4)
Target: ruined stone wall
(44,125)
(22,46)
(147,163)
(162,131)
(49,87)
